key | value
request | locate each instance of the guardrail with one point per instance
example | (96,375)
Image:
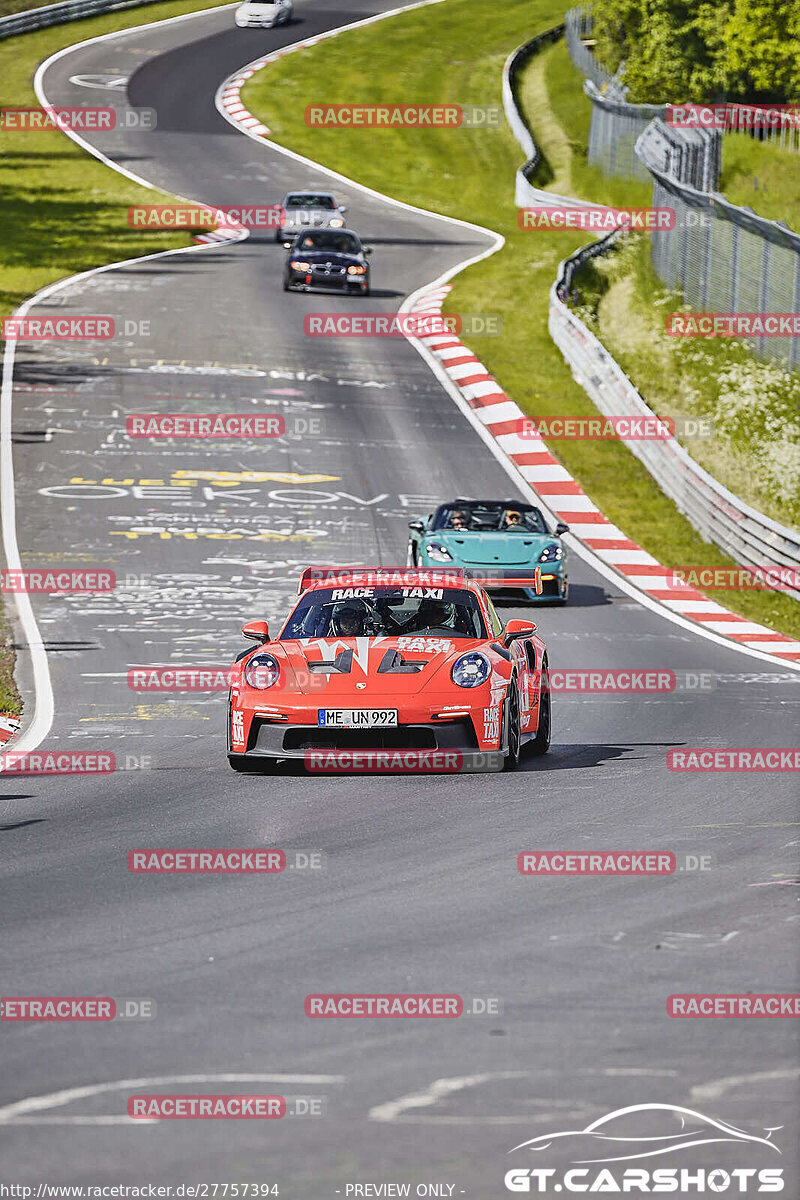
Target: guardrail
(524,191)
(749,537)
(722,257)
(58,14)
(717,514)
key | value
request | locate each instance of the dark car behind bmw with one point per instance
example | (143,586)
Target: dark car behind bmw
(327,260)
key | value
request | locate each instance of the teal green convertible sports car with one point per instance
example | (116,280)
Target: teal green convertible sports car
(494,536)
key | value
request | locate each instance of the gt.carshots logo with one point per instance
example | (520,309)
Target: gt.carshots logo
(648,1131)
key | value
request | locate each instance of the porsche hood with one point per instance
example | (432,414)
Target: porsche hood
(387,666)
(493,549)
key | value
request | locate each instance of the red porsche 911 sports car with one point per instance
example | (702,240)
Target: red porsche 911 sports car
(390,659)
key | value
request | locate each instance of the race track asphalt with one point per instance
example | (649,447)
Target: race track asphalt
(420,890)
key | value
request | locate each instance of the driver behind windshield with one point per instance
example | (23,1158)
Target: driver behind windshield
(338,243)
(347,621)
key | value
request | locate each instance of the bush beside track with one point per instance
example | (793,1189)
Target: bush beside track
(450,53)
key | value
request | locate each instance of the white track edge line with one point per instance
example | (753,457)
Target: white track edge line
(44,704)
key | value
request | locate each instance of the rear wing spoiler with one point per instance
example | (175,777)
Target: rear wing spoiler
(380,576)
(487,577)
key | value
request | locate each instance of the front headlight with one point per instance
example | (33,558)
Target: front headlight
(438,552)
(262,671)
(471,670)
(300,266)
(356,270)
(336,223)
(551,553)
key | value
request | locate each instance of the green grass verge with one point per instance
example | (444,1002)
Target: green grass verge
(449,52)
(62,210)
(7,7)
(763,177)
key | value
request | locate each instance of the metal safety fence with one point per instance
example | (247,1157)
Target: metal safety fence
(614,129)
(723,258)
(749,537)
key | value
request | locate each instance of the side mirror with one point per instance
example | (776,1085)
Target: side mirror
(287,245)
(257,631)
(561,528)
(367,250)
(417,526)
(342,208)
(517,629)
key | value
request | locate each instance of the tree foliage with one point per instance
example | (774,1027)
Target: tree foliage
(693,50)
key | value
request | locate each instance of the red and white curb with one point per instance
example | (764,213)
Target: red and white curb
(8,727)
(506,422)
(229,96)
(226,231)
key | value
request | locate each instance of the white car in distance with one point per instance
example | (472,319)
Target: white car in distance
(263,14)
